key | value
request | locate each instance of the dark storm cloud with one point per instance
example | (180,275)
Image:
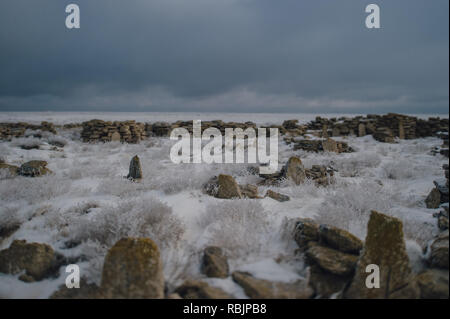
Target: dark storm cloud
(224,55)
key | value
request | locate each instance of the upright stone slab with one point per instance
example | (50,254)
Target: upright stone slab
(135,171)
(228,188)
(330,145)
(384,247)
(133,269)
(361,130)
(294,170)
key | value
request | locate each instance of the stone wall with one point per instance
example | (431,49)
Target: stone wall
(127,131)
(384,128)
(10,130)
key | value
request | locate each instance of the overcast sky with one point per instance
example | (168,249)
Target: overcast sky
(225,56)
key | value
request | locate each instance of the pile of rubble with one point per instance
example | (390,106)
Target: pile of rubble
(10,130)
(127,131)
(340,264)
(328,145)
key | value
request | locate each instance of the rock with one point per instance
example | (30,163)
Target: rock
(263,289)
(306,230)
(326,284)
(13,170)
(249,191)
(433,284)
(211,187)
(115,137)
(8,229)
(433,199)
(384,247)
(331,260)
(277,196)
(192,289)
(37,260)
(443,219)
(439,251)
(330,145)
(340,239)
(86,291)
(215,263)
(34,169)
(133,269)
(294,170)
(361,130)
(443,191)
(135,171)
(26,278)
(228,188)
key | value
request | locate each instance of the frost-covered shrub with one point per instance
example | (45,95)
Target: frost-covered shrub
(241,227)
(102,227)
(349,206)
(147,217)
(399,170)
(26,142)
(357,164)
(33,190)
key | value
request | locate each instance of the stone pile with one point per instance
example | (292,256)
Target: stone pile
(101,131)
(10,130)
(331,254)
(328,145)
(294,171)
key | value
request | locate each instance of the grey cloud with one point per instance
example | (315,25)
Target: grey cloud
(224,55)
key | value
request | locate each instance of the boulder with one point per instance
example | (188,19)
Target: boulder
(133,269)
(211,187)
(193,289)
(135,170)
(249,191)
(438,256)
(215,263)
(340,239)
(37,260)
(331,260)
(384,247)
(86,291)
(228,188)
(443,219)
(263,289)
(330,145)
(115,137)
(433,284)
(361,130)
(13,170)
(306,230)
(34,169)
(277,196)
(433,199)
(325,284)
(294,170)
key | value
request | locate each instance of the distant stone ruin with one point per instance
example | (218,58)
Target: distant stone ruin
(10,130)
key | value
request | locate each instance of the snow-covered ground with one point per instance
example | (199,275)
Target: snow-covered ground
(88,205)
(259,118)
